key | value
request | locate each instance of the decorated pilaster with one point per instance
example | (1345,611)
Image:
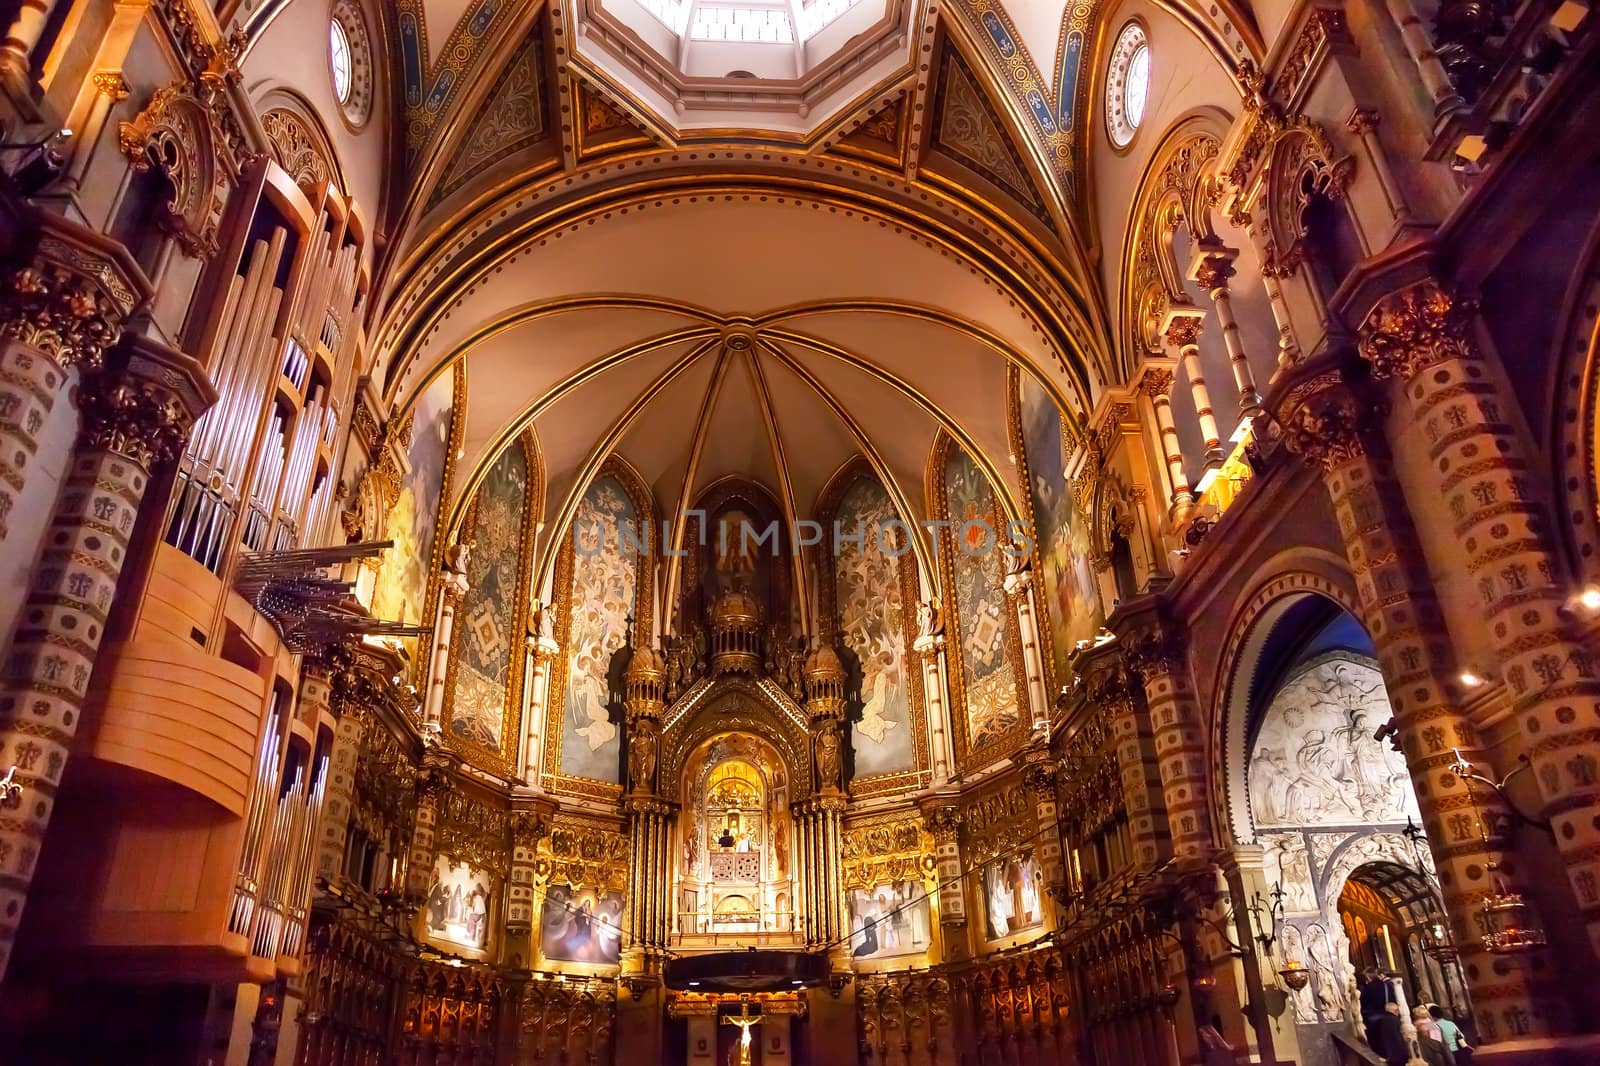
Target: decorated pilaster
(433,781)
(1329,425)
(941,815)
(1182,334)
(1157,385)
(1039,778)
(316,691)
(929,646)
(136,415)
(542,651)
(531,816)
(1458,428)
(1112,693)
(1152,649)
(1019,589)
(452,587)
(649,817)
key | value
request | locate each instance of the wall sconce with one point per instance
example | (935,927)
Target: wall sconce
(1295,975)
(1273,907)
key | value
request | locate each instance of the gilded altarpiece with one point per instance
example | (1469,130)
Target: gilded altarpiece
(406,587)
(604,608)
(985,679)
(486,664)
(999,830)
(870,588)
(465,900)
(1069,596)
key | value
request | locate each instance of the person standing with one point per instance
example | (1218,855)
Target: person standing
(1454,1039)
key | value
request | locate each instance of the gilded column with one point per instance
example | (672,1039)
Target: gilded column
(452,587)
(645,697)
(1421,338)
(1154,651)
(1019,589)
(134,418)
(1157,385)
(1326,423)
(825,705)
(1212,273)
(1182,334)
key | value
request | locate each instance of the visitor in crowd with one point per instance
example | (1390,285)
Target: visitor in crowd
(1430,1039)
(1454,1039)
(1385,1037)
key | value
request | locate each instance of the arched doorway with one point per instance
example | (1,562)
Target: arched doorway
(1395,923)
(1336,816)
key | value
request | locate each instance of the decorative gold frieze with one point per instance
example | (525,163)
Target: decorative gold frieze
(474,831)
(886,852)
(583,853)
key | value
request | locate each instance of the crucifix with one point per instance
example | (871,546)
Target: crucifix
(745,1021)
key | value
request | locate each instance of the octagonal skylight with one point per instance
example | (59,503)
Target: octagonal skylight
(757,22)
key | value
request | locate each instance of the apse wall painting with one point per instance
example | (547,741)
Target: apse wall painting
(601,610)
(486,621)
(1315,760)
(457,910)
(978,575)
(1072,594)
(581,925)
(867,589)
(889,920)
(1012,897)
(400,591)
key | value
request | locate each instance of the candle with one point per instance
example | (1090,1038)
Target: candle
(1388,947)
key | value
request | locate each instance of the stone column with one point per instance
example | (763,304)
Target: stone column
(941,813)
(60,312)
(1334,428)
(16,50)
(434,778)
(1288,346)
(135,416)
(1182,334)
(1039,779)
(110,90)
(1213,269)
(1019,589)
(929,646)
(1419,46)
(1152,649)
(542,650)
(1456,428)
(531,815)
(316,691)
(1136,765)
(1157,384)
(452,587)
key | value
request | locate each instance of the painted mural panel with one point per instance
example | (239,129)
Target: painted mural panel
(867,588)
(487,619)
(400,591)
(581,925)
(1315,760)
(457,910)
(888,920)
(978,574)
(1012,894)
(1072,594)
(601,607)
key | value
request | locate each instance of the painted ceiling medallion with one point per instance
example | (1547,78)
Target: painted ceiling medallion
(787,67)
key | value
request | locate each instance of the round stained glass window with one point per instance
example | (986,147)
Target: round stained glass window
(339,55)
(1127,85)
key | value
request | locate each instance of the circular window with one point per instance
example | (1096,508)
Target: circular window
(339,54)
(350,61)
(1127,84)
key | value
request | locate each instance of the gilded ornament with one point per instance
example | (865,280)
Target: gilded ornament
(146,421)
(1326,428)
(177,136)
(1414,329)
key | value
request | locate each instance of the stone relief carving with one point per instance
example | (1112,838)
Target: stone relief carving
(1316,761)
(1285,863)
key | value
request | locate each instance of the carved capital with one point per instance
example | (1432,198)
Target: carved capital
(61,313)
(1183,329)
(142,420)
(1414,329)
(1327,426)
(1157,381)
(111,83)
(1153,652)
(1039,772)
(943,822)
